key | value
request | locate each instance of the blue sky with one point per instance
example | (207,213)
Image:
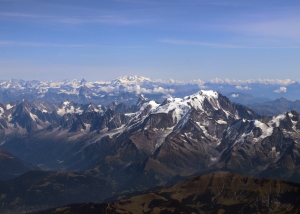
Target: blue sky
(184,40)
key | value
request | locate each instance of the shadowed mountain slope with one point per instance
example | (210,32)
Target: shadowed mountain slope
(11,167)
(37,190)
(219,192)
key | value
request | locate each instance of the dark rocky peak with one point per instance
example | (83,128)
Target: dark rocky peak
(166,101)
(142,99)
(82,81)
(112,105)
(91,107)
(3,106)
(44,107)
(108,120)
(125,108)
(84,90)
(29,117)
(245,112)
(265,119)
(27,86)
(295,115)
(281,99)
(109,114)
(240,110)
(23,106)
(71,122)
(145,111)
(74,124)
(239,128)
(159,121)
(286,123)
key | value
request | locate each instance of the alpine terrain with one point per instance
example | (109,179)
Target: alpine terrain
(109,149)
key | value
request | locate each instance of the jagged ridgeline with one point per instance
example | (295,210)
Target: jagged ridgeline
(132,147)
(125,89)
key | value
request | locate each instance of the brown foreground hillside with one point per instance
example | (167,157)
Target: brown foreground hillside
(220,192)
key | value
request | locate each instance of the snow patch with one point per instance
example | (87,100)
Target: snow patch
(221,122)
(266,129)
(33,116)
(276,119)
(8,106)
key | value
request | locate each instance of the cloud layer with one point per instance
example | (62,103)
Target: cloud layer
(280,90)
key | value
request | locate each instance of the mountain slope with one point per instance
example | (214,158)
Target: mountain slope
(246,99)
(36,190)
(11,167)
(219,192)
(267,147)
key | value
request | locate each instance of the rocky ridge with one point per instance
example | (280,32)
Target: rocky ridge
(151,143)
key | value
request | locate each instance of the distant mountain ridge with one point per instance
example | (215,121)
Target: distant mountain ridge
(275,107)
(246,99)
(128,88)
(125,89)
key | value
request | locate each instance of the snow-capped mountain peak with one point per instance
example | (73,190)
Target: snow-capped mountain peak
(131,80)
(181,106)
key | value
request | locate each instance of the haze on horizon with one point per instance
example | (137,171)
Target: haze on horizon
(184,40)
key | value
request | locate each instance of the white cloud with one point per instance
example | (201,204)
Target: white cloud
(198,82)
(175,82)
(280,90)
(276,81)
(234,95)
(107,89)
(251,81)
(157,90)
(242,88)
(163,90)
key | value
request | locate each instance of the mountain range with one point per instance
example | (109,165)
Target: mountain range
(127,89)
(127,148)
(275,107)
